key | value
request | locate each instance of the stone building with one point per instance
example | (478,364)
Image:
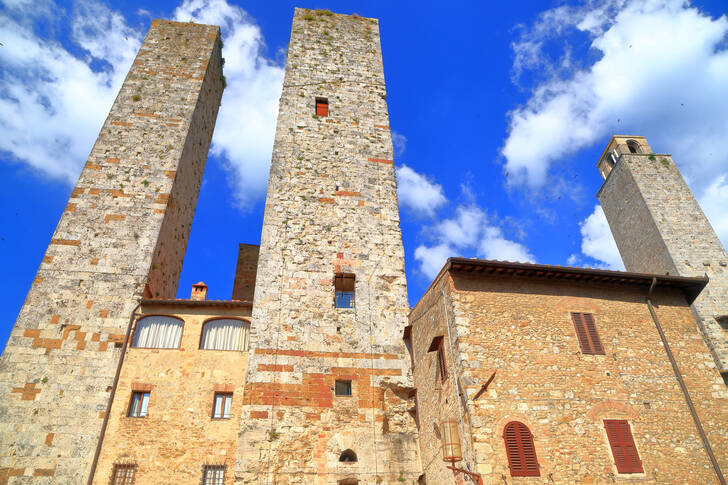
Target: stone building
(316,371)
(660,228)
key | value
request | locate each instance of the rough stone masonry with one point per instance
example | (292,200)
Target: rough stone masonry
(122,234)
(331,209)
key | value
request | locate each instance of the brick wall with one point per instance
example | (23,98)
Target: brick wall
(125,225)
(521,329)
(331,208)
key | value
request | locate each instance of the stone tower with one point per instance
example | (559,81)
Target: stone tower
(660,228)
(324,379)
(123,234)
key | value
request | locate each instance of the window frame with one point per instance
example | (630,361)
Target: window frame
(226,397)
(142,317)
(124,468)
(345,381)
(212,319)
(323,101)
(522,439)
(587,333)
(342,277)
(213,468)
(623,468)
(138,414)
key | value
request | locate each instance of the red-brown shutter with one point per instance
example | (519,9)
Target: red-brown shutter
(442,363)
(322,107)
(520,450)
(623,447)
(586,332)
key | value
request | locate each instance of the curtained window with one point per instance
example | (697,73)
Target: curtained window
(158,332)
(225,334)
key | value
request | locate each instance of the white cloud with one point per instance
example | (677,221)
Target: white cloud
(45,84)
(247,119)
(470,233)
(399,143)
(418,193)
(662,72)
(52,103)
(597,242)
(714,202)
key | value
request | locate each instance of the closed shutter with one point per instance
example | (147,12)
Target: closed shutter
(442,363)
(520,450)
(586,332)
(623,447)
(322,107)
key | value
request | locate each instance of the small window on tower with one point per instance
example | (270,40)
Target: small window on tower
(138,405)
(342,388)
(344,287)
(221,407)
(322,107)
(633,146)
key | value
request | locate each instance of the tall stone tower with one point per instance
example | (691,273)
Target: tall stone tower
(660,228)
(329,382)
(123,234)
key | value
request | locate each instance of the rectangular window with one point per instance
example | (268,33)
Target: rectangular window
(123,475)
(138,404)
(624,450)
(343,388)
(221,409)
(213,475)
(344,287)
(322,107)
(586,332)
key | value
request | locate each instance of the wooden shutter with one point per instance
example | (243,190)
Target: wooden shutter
(520,450)
(322,107)
(623,447)
(442,363)
(586,332)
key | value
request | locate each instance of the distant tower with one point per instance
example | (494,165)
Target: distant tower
(329,382)
(660,228)
(123,234)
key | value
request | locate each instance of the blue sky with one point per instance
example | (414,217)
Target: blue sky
(499,111)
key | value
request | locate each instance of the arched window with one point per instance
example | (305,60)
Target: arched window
(158,332)
(225,334)
(520,450)
(633,146)
(348,456)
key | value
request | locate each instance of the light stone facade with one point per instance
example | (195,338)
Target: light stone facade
(331,208)
(125,227)
(660,228)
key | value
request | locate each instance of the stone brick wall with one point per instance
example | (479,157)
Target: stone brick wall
(521,329)
(331,208)
(245,271)
(125,226)
(659,227)
(178,436)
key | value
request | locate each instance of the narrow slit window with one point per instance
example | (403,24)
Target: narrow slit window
(322,107)
(342,388)
(344,284)
(624,450)
(442,363)
(521,452)
(138,405)
(586,332)
(221,408)
(123,475)
(213,475)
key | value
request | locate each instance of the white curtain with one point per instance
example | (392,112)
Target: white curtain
(225,334)
(158,332)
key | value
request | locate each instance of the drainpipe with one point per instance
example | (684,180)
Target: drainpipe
(683,388)
(97,453)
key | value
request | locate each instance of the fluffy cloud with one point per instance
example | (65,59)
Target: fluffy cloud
(247,119)
(661,72)
(399,143)
(714,202)
(469,233)
(52,103)
(42,84)
(597,242)
(418,193)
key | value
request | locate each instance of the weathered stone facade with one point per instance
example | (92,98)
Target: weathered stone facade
(245,271)
(125,227)
(659,228)
(179,435)
(510,327)
(331,208)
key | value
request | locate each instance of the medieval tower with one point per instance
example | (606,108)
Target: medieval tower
(122,234)
(329,371)
(659,228)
